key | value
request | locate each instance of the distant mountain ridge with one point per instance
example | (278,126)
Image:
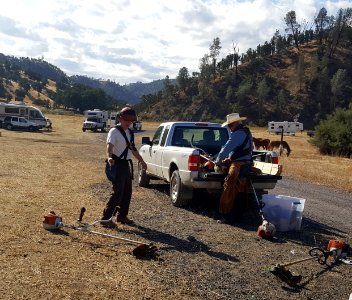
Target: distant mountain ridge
(40,69)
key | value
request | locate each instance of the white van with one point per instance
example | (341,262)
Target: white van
(287,127)
(30,113)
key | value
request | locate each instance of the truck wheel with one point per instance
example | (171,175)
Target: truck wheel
(179,194)
(9,127)
(143,178)
(83,129)
(31,128)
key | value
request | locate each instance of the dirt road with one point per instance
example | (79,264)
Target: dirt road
(203,259)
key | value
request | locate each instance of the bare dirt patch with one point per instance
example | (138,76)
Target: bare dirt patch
(199,257)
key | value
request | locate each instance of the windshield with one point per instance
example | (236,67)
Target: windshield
(209,139)
(36,114)
(93,119)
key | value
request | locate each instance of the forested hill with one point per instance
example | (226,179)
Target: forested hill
(304,74)
(41,71)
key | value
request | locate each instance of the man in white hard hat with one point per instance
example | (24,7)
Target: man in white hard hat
(237,153)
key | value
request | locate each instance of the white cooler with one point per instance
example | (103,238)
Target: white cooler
(285,212)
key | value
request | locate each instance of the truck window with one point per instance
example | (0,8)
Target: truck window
(209,139)
(163,139)
(157,135)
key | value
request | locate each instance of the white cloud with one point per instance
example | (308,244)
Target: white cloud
(138,40)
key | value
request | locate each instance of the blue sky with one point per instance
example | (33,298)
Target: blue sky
(141,40)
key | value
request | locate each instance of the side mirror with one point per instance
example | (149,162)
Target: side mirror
(146,141)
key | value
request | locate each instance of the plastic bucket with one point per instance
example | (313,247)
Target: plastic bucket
(285,212)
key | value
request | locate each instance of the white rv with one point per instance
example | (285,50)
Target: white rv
(287,127)
(136,125)
(30,113)
(113,119)
(96,119)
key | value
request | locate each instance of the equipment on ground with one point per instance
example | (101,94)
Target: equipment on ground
(338,250)
(53,222)
(293,279)
(266,230)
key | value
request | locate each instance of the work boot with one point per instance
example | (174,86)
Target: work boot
(124,220)
(110,224)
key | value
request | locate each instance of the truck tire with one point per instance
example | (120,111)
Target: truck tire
(179,194)
(83,129)
(9,127)
(143,178)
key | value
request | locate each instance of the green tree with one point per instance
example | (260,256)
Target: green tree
(244,90)
(263,91)
(338,83)
(321,21)
(333,135)
(300,71)
(183,78)
(168,87)
(214,52)
(292,26)
(229,93)
(2,89)
(343,21)
(205,68)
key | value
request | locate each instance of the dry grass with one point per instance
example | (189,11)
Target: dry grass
(307,164)
(58,171)
(63,170)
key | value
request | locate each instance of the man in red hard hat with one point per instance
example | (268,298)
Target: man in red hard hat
(119,151)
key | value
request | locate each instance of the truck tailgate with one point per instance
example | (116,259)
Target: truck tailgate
(260,181)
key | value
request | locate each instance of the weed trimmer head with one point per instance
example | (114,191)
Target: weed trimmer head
(53,222)
(145,251)
(266,230)
(285,275)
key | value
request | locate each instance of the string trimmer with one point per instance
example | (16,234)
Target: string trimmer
(337,249)
(53,222)
(266,229)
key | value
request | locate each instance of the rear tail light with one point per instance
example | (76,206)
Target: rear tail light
(193,162)
(275,160)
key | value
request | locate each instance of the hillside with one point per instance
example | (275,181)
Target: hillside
(36,74)
(304,83)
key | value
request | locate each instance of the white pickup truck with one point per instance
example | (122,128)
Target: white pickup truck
(177,154)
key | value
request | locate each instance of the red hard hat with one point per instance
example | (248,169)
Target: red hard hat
(128,114)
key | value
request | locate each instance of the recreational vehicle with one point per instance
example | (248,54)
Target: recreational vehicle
(136,125)
(96,119)
(30,113)
(286,127)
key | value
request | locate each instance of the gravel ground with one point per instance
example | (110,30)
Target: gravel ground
(202,258)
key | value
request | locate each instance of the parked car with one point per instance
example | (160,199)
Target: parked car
(12,122)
